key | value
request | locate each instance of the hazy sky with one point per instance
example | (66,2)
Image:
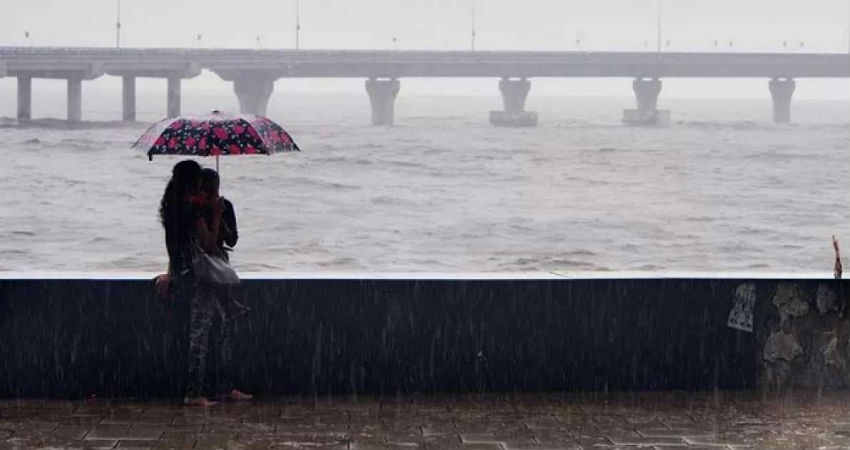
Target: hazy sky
(438,24)
(689,25)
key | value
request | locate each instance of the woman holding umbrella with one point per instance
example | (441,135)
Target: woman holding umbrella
(182,212)
(215,134)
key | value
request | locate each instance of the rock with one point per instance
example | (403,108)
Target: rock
(789,300)
(781,346)
(827,299)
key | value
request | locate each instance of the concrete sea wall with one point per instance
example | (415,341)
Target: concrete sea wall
(112,337)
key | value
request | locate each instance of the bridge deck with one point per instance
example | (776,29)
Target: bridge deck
(389,63)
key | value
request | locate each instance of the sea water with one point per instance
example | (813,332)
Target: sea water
(722,189)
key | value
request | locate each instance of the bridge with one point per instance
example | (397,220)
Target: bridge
(253,73)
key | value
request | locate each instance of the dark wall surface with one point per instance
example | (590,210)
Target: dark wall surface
(73,338)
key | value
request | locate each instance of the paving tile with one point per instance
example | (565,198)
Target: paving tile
(156,445)
(215,442)
(712,440)
(381,445)
(193,436)
(296,444)
(128,434)
(70,432)
(399,444)
(449,442)
(74,444)
(30,435)
(32,425)
(663,432)
(482,441)
(646,441)
(691,447)
(140,419)
(678,421)
(79,420)
(181,428)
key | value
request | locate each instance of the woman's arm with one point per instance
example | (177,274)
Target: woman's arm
(207,235)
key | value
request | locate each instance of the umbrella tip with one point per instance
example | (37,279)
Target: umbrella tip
(215,111)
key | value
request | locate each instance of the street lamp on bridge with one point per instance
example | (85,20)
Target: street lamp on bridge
(658,25)
(118,26)
(297,23)
(472,43)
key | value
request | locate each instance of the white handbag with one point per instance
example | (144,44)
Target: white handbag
(212,269)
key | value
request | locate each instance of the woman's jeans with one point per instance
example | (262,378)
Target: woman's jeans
(207,302)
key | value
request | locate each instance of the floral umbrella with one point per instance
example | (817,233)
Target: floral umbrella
(215,134)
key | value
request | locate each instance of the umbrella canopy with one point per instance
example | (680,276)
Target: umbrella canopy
(215,134)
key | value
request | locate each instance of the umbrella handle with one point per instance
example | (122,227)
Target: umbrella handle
(216,164)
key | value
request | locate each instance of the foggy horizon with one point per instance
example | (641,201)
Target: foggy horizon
(604,25)
(628,25)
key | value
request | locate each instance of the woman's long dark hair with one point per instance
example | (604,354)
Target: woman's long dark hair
(184,181)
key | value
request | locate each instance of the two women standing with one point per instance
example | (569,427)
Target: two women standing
(196,219)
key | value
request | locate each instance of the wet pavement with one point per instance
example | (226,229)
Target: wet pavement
(668,420)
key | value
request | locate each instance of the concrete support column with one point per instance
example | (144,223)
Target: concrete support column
(647,112)
(382,95)
(128,98)
(173,96)
(75,99)
(647,92)
(253,94)
(781,91)
(514,94)
(24,98)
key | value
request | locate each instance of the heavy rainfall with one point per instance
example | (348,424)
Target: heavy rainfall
(580,224)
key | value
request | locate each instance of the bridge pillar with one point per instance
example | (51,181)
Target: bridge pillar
(647,112)
(253,94)
(75,99)
(24,98)
(173,96)
(781,91)
(128,98)
(514,94)
(382,95)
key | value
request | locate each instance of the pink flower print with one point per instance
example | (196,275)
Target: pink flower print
(220,133)
(190,141)
(250,150)
(159,141)
(202,144)
(176,125)
(238,129)
(234,149)
(172,143)
(215,151)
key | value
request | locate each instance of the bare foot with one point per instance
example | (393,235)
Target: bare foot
(198,401)
(238,395)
